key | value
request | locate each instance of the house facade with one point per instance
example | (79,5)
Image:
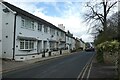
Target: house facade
(25,36)
(70,41)
(0,32)
(82,44)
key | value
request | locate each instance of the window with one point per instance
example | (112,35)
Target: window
(32,25)
(62,34)
(57,33)
(31,45)
(45,29)
(23,22)
(27,23)
(52,31)
(22,44)
(26,44)
(39,27)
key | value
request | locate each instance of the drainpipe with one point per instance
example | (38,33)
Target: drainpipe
(14,36)
(65,41)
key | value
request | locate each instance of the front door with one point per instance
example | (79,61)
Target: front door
(39,46)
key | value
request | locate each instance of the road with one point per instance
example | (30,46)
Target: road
(63,67)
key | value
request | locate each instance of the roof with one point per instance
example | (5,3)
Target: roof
(70,36)
(25,13)
(82,41)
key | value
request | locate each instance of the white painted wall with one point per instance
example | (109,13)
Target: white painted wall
(0,30)
(40,35)
(69,42)
(73,43)
(7,34)
(82,45)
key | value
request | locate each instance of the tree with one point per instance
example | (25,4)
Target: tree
(112,30)
(98,12)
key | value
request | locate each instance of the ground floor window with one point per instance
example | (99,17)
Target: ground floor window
(26,44)
(22,44)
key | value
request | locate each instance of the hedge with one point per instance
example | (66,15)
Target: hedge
(109,47)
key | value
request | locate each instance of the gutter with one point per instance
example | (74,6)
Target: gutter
(14,37)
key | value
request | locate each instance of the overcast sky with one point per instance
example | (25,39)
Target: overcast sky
(66,12)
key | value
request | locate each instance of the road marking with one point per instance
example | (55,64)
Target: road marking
(82,73)
(89,71)
(85,71)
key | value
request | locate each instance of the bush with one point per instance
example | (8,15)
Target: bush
(111,47)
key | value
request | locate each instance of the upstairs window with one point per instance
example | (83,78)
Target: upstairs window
(52,31)
(57,33)
(23,22)
(32,25)
(45,29)
(39,27)
(27,23)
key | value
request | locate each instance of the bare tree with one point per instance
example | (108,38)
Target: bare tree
(98,12)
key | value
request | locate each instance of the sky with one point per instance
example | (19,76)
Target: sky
(66,12)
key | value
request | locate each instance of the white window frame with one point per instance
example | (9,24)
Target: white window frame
(57,33)
(45,29)
(23,25)
(39,27)
(32,25)
(29,47)
(22,41)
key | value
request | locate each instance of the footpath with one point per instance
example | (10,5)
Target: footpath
(102,71)
(99,71)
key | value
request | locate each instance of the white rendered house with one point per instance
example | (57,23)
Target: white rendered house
(70,41)
(25,36)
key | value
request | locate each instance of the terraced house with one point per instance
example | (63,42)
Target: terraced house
(24,36)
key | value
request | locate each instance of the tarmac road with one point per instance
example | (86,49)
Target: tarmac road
(63,67)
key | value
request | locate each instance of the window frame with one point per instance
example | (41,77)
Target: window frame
(32,25)
(39,27)
(29,46)
(23,20)
(45,29)
(22,41)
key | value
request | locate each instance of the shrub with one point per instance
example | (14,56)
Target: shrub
(111,47)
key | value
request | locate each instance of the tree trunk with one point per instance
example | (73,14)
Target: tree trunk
(105,16)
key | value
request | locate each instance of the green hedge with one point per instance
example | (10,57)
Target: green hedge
(108,46)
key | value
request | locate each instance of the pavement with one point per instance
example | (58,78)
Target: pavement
(102,71)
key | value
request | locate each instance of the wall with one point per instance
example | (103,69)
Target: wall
(7,34)
(0,30)
(73,44)
(39,35)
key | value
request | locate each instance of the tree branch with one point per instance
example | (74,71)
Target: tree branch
(111,7)
(100,16)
